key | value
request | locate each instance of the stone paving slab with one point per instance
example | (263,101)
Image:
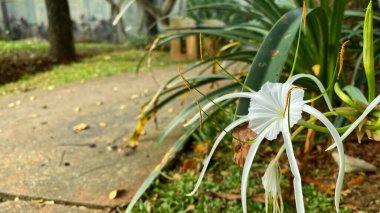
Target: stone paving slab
(42,157)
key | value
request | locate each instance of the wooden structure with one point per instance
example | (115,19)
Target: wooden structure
(184,48)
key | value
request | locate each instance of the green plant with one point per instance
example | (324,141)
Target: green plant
(317,45)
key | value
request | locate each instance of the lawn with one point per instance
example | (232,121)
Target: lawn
(109,60)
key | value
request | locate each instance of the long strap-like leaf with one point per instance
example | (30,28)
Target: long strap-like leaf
(271,57)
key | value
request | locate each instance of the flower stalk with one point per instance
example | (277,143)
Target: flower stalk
(368,58)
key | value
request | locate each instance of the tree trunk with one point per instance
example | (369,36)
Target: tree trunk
(60,30)
(118,32)
(154,13)
(5,19)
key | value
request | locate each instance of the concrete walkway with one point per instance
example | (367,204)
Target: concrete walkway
(46,166)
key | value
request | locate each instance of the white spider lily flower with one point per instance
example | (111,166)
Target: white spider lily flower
(271,183)
(275,108)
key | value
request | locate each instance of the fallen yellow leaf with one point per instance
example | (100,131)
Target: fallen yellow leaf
(115,193)
(81,127)
(103,125)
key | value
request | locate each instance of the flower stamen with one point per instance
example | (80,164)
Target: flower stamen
(288,95)
(304,13)
(341,57)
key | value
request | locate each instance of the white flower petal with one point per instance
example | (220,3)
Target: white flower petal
(317,82)
(267,106)
(338,141)
(218,100)
(294,168)
(216,143)
(271,182)
(247,166)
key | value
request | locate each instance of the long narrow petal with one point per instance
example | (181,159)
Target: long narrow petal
(338,142)
(317,82)
(294,168)
(369,108)
(207,160)
(218,100)
(247,166)
(248,163)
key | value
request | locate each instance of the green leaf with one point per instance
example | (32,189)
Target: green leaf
(184,113)
(345,98)
(271,57)
(355,94)
(336,22)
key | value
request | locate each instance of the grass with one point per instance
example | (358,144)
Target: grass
(105,64)
(168,193)
(20,58)
(34,49)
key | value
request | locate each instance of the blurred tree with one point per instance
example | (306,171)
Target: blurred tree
(118,33)
(60,30)
(156,11)
(227,16)
(4,11)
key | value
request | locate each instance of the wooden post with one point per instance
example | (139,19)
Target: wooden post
(183,24)
(191,48)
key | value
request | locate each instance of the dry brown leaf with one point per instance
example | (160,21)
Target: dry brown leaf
(258,198)
(199,150)
(132,144)
(190,207)
(177,176)
(320,186)
(227,196)
(189,165)
(81,127)
(346,192)
(356,180)
(242,134)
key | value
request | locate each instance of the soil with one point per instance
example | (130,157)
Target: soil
(361,190)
